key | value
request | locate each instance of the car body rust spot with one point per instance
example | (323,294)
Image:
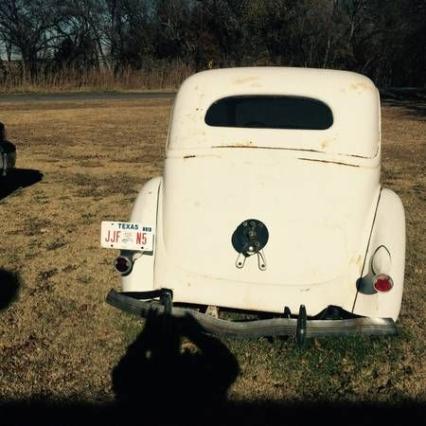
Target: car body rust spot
(245,80)
(360,86)
(357,261)
(248,145)
(340,163)
(326,142)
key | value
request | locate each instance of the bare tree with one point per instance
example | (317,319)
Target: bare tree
(385,40)
(28,26)
(83,26)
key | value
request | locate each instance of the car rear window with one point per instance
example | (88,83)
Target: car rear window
(270,112)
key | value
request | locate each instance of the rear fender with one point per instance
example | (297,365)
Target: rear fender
(385,254)
(141,277)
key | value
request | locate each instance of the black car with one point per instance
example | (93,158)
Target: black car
(7,153)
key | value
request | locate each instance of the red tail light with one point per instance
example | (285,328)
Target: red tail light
(123,264)
(383,283)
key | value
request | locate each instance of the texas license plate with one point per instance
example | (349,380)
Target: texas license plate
(127,236)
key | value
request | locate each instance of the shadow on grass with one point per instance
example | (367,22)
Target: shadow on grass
(9,288)
(174,374)
(174,362)
(18,178)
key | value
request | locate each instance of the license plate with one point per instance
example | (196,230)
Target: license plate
(127,236)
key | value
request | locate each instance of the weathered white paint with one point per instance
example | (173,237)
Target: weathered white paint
(144,211)
(316,191)
(389,232)
(353,99)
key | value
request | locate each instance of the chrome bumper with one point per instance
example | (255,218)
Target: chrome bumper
(298,327)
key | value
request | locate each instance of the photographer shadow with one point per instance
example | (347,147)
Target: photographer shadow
(174,367)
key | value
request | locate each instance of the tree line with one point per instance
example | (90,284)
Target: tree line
(384,39)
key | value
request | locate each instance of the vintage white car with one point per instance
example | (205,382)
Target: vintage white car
(270,203)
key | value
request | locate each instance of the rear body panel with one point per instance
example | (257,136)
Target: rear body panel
(318,216)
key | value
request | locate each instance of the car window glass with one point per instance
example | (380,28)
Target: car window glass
(270,112)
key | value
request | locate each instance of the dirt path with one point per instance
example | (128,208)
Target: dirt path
(85,96)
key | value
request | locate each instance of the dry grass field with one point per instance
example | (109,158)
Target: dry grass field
(163,76)
(60,340)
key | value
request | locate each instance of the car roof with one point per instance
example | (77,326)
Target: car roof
(353,99)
